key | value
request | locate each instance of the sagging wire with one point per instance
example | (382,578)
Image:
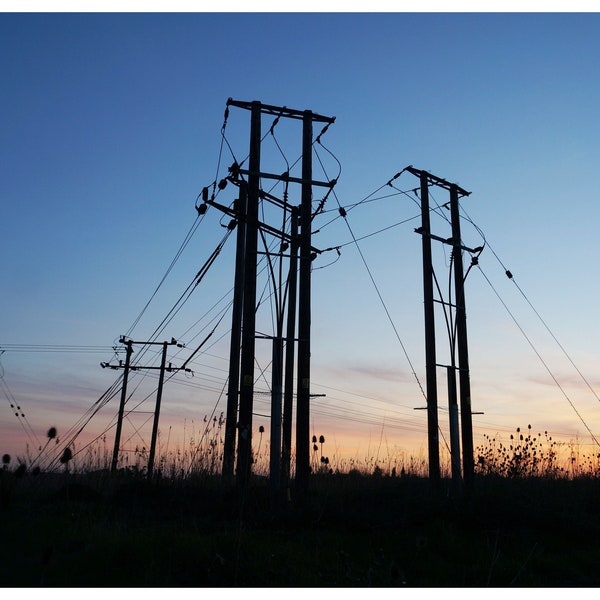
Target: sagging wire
(539,356)
(188,237)
(15,407)
(113,390)
(510,276)
(343,213)
(136,406)
(332,182)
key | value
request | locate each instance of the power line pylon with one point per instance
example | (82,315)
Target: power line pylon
(245,212)
(127,368)
(457,339)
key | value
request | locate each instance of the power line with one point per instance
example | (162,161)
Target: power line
(344,214)
(538,315)
(539,356)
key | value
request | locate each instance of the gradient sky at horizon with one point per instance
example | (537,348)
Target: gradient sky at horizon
(111,127)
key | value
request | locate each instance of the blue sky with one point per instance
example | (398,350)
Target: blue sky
(111,127)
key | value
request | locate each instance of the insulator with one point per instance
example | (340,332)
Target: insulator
(509,274)
(205,194)
(342,211)
(232,224)
(222,184)
(202,209)
(284,246)
(234,169)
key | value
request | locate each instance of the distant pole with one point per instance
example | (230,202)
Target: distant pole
(461,336)
(115,457)
(236,335)
(304,310)
(161,381)
(244,458)
(430,353)
(288,402)
(127,367)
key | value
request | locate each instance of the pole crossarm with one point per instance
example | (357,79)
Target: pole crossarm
(286,177)
(282,235)
(280,111)
(437,180)
(448,241)
(170,368)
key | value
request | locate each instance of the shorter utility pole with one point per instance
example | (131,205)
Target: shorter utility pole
(129,343)
(127,367)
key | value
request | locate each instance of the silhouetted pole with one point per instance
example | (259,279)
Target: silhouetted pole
(236,335)
(461,337)
(454,430)
(288,401)
(244,458)
(276,402)
(303,384)
(115,457)
(430,354)
(161,381)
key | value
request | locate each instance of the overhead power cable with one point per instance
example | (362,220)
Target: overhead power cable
(540,357)
(538,315)
(387,312)
(185,242)
(17,410)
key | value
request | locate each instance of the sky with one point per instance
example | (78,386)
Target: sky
(112,125)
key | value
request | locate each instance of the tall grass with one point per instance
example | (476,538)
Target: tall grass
(524,454)
(527,454)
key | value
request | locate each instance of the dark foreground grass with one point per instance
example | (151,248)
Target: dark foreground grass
(350,531)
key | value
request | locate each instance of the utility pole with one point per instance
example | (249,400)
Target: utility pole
(241,207)
(247,212)
(430,355)
(244,458)
(304,296)
(461,338)
(161,381)
(454,429)
(288,401)
(115,457)
(127,367)
(466,429)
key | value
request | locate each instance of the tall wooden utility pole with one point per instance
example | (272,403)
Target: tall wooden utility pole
(461,339)
(246,212)
(233,390)
(288,400)
(244,459)
(430,355)
(303,384)
(427,180)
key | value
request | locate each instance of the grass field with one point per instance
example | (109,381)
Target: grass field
(351,530)
(531,519)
